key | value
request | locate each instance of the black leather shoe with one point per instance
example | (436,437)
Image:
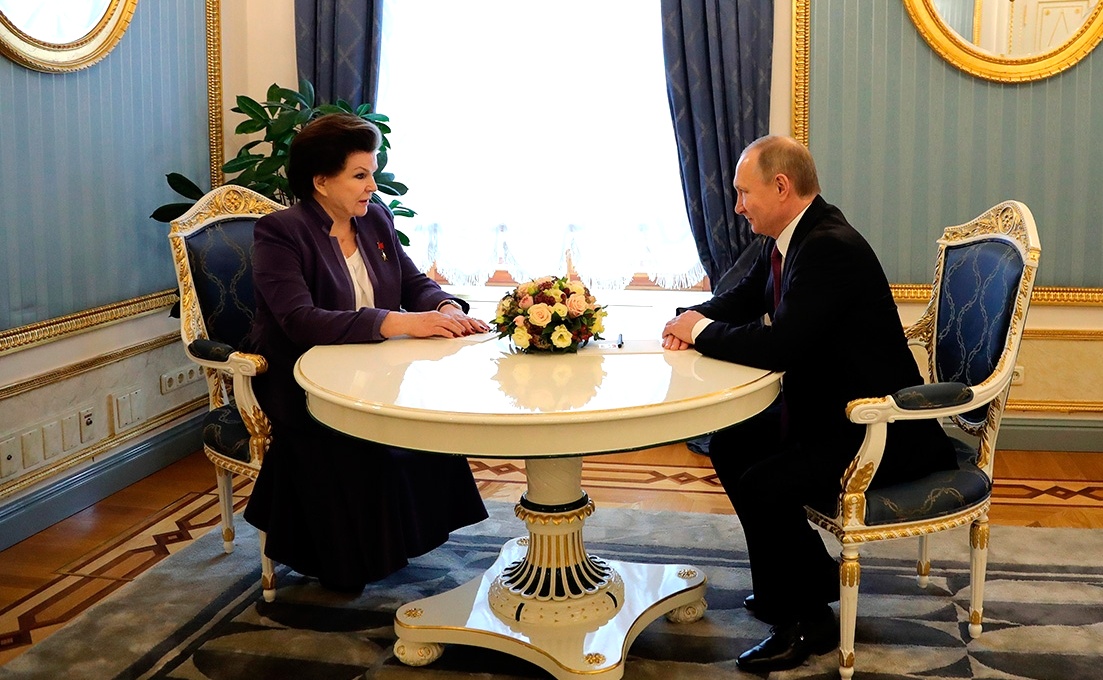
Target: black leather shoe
(790,645)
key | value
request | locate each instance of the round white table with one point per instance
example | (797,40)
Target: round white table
(545,599)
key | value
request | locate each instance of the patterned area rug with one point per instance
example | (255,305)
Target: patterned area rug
(199,613)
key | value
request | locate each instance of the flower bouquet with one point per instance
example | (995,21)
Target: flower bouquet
(549,314)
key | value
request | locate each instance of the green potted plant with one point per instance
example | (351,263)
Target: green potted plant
(261,165)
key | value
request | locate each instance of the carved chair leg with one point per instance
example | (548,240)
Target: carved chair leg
(267,571)
(978,563)
(849,576)
(226,504)
(923,566)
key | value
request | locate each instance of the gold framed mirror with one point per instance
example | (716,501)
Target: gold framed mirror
(56,36)
(1009,41)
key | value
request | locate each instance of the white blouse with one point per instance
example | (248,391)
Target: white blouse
(365,294)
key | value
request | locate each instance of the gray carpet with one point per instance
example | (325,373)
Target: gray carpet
(199,614)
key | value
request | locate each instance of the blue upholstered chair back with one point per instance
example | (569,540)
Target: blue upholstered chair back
(221,259)
(976,296)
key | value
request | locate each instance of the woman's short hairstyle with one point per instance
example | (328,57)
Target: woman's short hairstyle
(779,155)
(323,146)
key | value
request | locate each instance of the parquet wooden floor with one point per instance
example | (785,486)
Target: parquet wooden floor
(56,574)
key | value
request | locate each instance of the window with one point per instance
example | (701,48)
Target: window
(527,129)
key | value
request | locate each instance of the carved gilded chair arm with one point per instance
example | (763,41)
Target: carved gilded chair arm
(241,366)
(934,400)
(260,430)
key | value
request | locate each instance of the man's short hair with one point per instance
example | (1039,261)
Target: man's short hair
(779,155)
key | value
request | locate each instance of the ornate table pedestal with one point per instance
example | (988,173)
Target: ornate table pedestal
(548,601)
(545,599)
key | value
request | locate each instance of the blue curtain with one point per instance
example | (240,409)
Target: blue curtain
(338,48)
(718,55)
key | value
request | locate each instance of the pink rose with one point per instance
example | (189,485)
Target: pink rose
(525,302)
(577,305)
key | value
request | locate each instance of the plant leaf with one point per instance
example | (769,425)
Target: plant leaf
(170,211)
(330,108)
(273,102)
(184,186)
(283,124)
(241,163)
(270,166)
(251,108)
(293,96)
(248,126)
(306,89)
(402,238)
(304,116)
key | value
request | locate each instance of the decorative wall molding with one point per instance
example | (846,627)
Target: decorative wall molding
(1042,295)
(214,87)
(72,370)
(80,322)
(1046,406)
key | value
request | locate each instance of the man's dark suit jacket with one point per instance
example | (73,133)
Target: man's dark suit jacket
(836,334)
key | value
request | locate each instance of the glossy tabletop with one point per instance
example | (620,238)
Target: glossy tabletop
(479,396)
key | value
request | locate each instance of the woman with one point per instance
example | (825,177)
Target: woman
(330,270)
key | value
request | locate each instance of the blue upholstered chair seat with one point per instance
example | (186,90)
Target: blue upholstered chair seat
(936,495)
(225,433)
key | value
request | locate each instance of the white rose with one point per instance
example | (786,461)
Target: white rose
(599,321)
(520,337)
(561,337)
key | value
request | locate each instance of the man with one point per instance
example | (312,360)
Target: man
(827,319)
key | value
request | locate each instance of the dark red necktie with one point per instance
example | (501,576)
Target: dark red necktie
(775,267)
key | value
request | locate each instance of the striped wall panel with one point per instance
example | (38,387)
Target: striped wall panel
(83,157)
(906,144)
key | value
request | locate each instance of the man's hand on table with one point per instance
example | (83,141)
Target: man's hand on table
(678,332)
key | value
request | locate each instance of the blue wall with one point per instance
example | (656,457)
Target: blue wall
(83,157)
(906,144)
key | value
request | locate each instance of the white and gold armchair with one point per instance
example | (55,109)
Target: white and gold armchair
(971,332)
(212,245)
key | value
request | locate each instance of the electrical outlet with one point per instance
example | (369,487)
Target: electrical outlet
(137,406)
(87,425)
(51,439)
(123,413)
(70,432)
(10,457)
(31,443)
(185,375)
(128,409)
(1018,375)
